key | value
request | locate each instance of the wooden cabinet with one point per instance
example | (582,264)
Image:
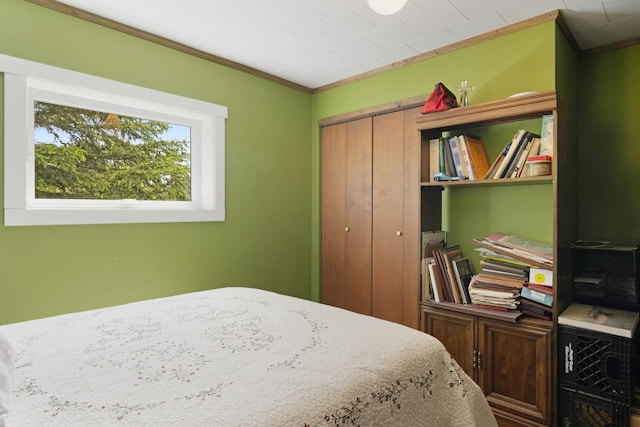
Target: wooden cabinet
(511,362)
(369,225)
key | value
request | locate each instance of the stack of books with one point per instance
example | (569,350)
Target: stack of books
(537,294)
(526,250)
(499,284)
(520,269)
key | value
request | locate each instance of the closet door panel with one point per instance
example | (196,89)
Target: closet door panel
(333,160)
(411,212)
(388,221)
(358,220)
(346,215)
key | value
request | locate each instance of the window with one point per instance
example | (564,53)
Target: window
(85,150)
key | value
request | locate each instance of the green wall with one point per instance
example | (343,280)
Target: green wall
(609,132)
(264,241)
(270,238)
(498,68)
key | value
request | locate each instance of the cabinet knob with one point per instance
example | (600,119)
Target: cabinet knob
(346,229)
(398,233)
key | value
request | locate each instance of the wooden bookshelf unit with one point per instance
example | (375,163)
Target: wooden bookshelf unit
(514,362)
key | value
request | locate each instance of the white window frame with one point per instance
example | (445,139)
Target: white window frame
(26,82)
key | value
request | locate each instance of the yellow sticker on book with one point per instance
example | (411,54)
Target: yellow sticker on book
(539,278)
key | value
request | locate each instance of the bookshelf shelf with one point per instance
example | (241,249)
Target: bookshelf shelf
(528,180)
(490,113)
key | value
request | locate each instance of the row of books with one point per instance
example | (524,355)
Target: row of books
(446,275)
(462,156)
(465,156)
(510,163)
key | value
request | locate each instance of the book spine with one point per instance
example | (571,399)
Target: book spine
(497,162)
(478,156)
(442,158)
(524,135)
(467,164)
(434,157)
(522,158)
(455,155)
(442,276)
(427,290)
(536,296)
(450,166)
(546,136)
(435,285)
(509,155)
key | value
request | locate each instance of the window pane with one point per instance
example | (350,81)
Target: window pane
(92,155)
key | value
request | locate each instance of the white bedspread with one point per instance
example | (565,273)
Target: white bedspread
(234,357)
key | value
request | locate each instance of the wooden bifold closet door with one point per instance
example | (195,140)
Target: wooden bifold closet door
(346,215)
(369,225)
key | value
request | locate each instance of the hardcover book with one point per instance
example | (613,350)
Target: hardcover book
(478,156)
(513,147)
(436,285)
(441,276)
(546,136)
(467,166)
(448,255)
(432,240)
(434,157)
(537,296)
(497,162)
(455,155)
(464,273)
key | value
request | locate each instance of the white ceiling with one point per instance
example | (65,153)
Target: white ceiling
(318,42)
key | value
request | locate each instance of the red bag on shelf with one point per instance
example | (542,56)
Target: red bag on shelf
(440,99)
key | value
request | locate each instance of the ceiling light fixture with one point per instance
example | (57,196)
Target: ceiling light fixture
(386,7)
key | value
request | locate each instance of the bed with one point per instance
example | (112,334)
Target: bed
(231,357)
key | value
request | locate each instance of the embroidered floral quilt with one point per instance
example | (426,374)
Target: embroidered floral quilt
(234,357)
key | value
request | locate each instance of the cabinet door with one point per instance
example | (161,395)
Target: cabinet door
(515,368)
(456,331)
(346,215)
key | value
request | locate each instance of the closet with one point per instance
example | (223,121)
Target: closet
(369,225)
